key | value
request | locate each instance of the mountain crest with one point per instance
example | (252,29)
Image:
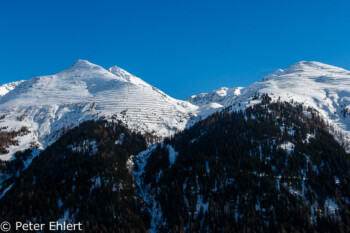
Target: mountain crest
(47,104)
(82,64)
(119,72)
(307,69)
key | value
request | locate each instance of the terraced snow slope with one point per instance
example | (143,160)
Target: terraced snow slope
(48,105)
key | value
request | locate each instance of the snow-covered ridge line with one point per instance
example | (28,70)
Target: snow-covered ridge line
(7,87)
(48,104)
(215,100)
(322,87)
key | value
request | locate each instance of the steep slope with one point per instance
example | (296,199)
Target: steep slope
(256,166)
(269,168)
(82,177)
(324,88)
(7,87)
(49,105)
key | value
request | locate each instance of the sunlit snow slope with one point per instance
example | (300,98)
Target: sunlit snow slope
(49,104)
(215,100)
(6,88)
(323,87)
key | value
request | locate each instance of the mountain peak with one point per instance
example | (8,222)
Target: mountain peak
(83,64)
(84,69)
(302,65)
(308,68)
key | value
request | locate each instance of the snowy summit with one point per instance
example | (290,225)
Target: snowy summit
(48,104)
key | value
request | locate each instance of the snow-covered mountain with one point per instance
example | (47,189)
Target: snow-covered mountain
(324,88)
(49,104)
(7,87)
(249,167)
(215,100)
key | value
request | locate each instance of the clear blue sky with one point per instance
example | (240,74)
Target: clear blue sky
(181,47)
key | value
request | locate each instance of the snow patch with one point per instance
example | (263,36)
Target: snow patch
(172,154)
(288,147)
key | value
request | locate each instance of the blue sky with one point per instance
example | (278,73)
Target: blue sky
(181,47)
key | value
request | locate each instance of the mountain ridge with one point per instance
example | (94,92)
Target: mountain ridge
(271,160)
(7,87)
(322,87)
(86,91)
(47,104)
